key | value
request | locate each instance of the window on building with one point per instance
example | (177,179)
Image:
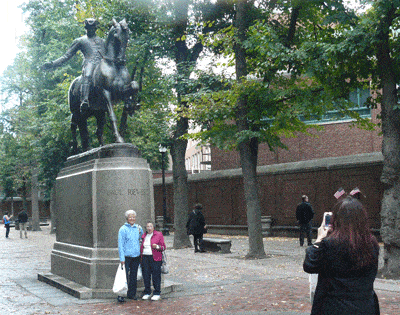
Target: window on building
(358,98)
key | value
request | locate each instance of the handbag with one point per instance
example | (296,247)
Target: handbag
(164,265)
(120,284)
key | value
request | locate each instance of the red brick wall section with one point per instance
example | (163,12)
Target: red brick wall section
(280,192)
(337,139)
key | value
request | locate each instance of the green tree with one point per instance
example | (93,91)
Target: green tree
(271,46)
(39,100)
(180,40)
(362,51)
(380,45)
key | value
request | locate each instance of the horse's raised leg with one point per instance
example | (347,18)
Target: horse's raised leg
(113,117)
(83,131)
(100,117)
(74,142)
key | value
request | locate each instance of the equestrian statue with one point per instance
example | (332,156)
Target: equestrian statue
(105,79)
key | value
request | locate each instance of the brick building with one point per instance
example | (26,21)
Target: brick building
(340,155)
(338,138)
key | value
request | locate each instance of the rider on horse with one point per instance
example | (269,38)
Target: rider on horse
(92,48)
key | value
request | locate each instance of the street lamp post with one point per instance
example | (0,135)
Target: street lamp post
(163,150)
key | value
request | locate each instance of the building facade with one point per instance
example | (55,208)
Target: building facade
(338,138)
(339,155)
(197,157)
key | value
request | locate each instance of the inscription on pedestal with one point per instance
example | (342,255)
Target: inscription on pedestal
(124,192)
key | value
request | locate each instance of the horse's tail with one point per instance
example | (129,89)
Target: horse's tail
(74,95)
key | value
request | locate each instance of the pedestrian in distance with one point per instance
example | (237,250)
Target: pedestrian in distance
(6,220)
(129,236)
(152,247)
(304,215)
(23,223)
(345,256)
(196,226)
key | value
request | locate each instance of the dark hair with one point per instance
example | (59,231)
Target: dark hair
(198,206)
(350,228)
(304,197)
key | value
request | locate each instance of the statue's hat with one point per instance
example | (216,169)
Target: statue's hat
(91,22)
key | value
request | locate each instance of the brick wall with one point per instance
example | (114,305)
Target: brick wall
(281,187)
(337,139)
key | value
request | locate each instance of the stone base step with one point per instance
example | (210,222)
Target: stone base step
(84,293)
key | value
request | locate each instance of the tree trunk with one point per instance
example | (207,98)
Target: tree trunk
(179,145)
(249,148)
(181,191)
(248,159)
(390,212)
(24,195)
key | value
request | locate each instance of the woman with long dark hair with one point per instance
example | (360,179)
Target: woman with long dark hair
(345,256)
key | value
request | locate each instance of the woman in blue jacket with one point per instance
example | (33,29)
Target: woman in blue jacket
(6,220)
(129,251)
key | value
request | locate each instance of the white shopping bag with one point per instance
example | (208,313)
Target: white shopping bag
(313,278)
(164,265)
(120,284)
(139,273)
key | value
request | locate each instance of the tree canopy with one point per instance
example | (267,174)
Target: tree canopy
(38,120)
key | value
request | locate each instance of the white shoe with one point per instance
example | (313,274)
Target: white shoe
(146,297)
(155,297)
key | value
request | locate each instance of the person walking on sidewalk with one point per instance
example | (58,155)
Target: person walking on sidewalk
(23,223)
(196,225)
(345,256)
(304,215)
(6,220)
(153,245)
(129,236)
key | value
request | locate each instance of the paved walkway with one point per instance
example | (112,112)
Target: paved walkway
(211,283)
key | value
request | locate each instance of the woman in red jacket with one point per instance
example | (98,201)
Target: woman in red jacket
(151,249)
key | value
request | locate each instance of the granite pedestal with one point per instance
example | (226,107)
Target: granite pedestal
(93,191)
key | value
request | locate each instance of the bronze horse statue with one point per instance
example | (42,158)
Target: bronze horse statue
(111,83)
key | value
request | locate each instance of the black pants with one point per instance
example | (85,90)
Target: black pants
(131,269)
(7,226)
(198,242)
(305,228)
(151,270)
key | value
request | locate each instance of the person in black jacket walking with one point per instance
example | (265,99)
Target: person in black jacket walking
(196,226)
(23,223)
(304,215)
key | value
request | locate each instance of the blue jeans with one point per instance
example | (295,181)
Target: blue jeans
(131,269)
(7,226)
(151,269)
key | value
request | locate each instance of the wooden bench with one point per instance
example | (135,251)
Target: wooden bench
(217,245)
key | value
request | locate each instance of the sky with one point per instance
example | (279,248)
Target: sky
(12,26)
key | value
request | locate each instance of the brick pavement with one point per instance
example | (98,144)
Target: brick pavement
(211,283)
